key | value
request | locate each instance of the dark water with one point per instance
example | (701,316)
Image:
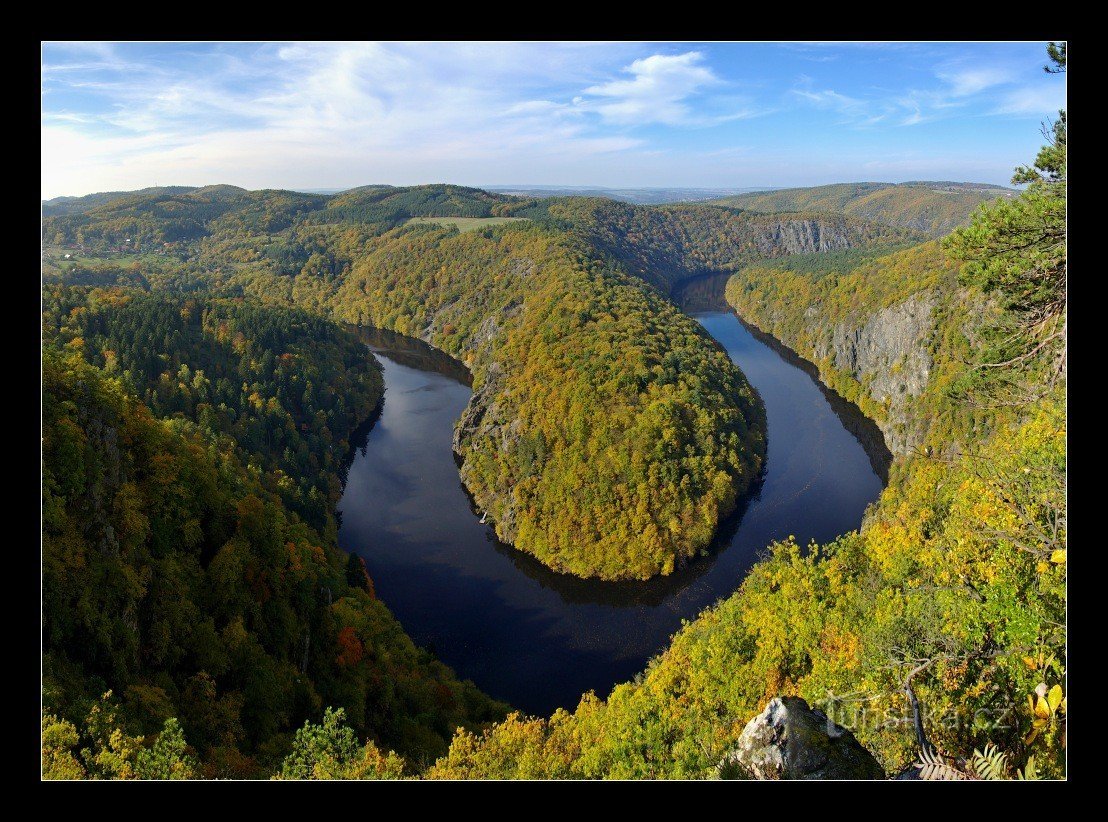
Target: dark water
(524,634)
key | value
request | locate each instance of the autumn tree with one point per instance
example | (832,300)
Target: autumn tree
(1016,249)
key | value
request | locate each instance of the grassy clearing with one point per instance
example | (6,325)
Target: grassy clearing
(465,223)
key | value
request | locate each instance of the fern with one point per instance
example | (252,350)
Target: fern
(992,764)
(934,768)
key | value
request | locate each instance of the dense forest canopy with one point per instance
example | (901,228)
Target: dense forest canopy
(173,578)
(284,387)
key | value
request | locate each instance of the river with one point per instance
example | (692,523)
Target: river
(538,639)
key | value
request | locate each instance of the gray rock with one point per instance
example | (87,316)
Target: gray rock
(889,354)
(790,740)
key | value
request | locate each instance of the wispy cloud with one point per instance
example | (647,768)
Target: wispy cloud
(990,89)
(852,110)
(331,114)
(972,80)
(1029,100)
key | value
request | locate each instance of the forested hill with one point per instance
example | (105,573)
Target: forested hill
(150,218)
(78,205)
(606,435)
(534,307)
(933,208)
(179,436)
(664,245)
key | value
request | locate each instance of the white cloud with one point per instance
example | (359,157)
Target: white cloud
(378,111)
(656,92)
(1037,100)
(966,81)
(982,89)
(852,110)
(342,113)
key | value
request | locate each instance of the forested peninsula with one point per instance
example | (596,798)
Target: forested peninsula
(607,436)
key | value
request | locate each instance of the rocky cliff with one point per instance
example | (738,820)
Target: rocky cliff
(886,336)
(666,245)
(890,356)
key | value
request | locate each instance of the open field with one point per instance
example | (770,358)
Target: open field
(465,223)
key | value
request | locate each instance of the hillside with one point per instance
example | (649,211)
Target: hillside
(535,308)
(78,205)
(634,196)
(889,333)
(952,592)
(933,208)
(175,575)
(664,245)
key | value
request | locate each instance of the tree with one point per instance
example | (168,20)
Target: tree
(59,738)
(168,758)
(1016,249)
(331,751)
(1057,54)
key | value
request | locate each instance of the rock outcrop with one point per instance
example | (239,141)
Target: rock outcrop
(889,354)
(791,740)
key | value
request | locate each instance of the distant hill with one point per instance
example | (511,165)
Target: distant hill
(154,217)
(635,196)
(934,208)
(78,205)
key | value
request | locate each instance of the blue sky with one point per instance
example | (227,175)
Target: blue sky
(335,115)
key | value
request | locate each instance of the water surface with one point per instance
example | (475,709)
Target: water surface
(523,633)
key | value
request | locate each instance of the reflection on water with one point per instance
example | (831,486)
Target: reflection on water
(414,353)
(528,635)
(706,293)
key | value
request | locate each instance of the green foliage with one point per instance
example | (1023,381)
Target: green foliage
(630,434)
(172,576)
(283,387)
(934,767)
(957,578)
(666,244)
(933,208)
(990,764)
(939,571)
(331,751)
(79,205)
(811,310)
(1057,54)
(1017,251)
(610,435)
(167,758)
(839,262)
(109,752)
(59,739)
(463,223)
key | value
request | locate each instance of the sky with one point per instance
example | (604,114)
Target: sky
(121,116)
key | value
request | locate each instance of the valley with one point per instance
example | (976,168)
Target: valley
(630,482)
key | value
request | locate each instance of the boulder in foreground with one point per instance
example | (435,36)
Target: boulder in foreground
(791,740)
